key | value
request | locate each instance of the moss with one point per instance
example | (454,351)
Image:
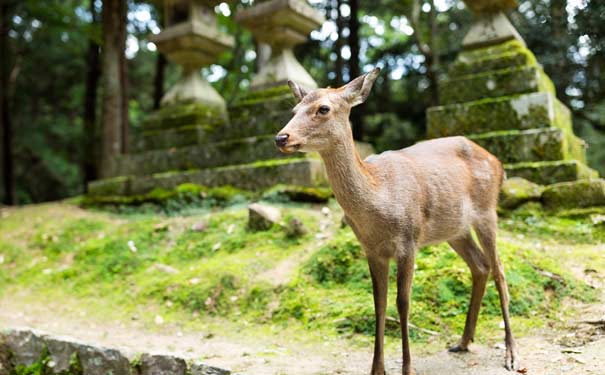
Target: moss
(212,154)
(269,93)
(185,114)
(501,56)
(516,191)
(40,367)
(549,172)
(575,194)
(492,84)
(110,186)
(298,194)
(505,113)
(181,196)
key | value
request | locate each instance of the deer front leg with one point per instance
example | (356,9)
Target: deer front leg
(379,271)
(405,273)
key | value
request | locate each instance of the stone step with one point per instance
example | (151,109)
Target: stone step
(493,84)
(506,55)
(254,176)
(198,156)
(515,146)
(551,172)
(575,194)
(175,137)
(260,112)
(179,115)
(527,111)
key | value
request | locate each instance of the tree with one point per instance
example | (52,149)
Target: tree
(6,130)
(354,68)
(90,166)
(114,74)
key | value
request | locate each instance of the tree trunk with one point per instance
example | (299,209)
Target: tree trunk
(125,89)
(433,58)
(158,82)
(354,69)
(6,130)
(90,166)
(113,20)
(339,63)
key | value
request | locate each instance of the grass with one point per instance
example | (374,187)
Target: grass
(143,262)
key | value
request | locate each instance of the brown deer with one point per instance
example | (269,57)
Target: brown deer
(399,201)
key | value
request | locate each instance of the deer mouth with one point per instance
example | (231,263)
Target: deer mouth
(289,149)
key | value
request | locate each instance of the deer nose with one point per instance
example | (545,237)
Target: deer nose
(281,139)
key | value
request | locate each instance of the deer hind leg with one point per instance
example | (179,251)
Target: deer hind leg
(379,271)
(405,273)
(486,232)
(466,247)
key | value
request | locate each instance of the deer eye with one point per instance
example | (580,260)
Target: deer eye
(323,110)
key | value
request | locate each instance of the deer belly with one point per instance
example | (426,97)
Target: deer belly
(447,222)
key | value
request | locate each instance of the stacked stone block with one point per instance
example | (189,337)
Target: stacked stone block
(192,143)
(500,97)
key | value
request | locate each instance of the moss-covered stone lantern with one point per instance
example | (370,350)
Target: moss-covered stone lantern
(497,94)
(191,39)
(282,24)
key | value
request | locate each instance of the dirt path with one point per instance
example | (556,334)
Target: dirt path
(541,352)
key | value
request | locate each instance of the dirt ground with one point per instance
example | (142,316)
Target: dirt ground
(583,351)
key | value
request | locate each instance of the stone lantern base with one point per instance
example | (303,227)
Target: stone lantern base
(499,97)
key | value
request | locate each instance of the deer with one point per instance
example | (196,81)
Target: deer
(399,201)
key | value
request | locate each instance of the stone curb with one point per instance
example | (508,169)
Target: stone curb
(24,347)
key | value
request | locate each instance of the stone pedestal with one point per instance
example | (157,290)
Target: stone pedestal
(282,24)
(191,39)
(498,95)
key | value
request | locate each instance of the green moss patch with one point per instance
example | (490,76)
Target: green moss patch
(550,172)
(505,113)
(576,194)
(493,84)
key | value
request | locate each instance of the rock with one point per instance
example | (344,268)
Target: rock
(575,194)
(199,227)
(262,217)
(27,346)
(60,351)
(162,365)
(516,191)
(102,361)
(295,228)
(6,367)
(202,369)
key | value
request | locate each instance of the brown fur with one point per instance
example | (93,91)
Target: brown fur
(399,201)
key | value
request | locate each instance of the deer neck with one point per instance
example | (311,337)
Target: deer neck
(352,182)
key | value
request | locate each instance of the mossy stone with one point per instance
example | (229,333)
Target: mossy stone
(544,144)
(575,194)
(522,112)
(208,155)
(502,56)
(550,172)
(253,176)
(493,84)
(516,191)
(182,114)
(110,186)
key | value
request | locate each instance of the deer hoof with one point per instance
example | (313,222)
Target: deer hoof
(512,359)
(459,348)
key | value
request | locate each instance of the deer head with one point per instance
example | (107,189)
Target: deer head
(321,117)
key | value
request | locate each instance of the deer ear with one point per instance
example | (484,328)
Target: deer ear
(297,90)
(358,90)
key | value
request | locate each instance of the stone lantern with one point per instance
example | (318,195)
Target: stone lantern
(191,39)
(491,26)
(282,24)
